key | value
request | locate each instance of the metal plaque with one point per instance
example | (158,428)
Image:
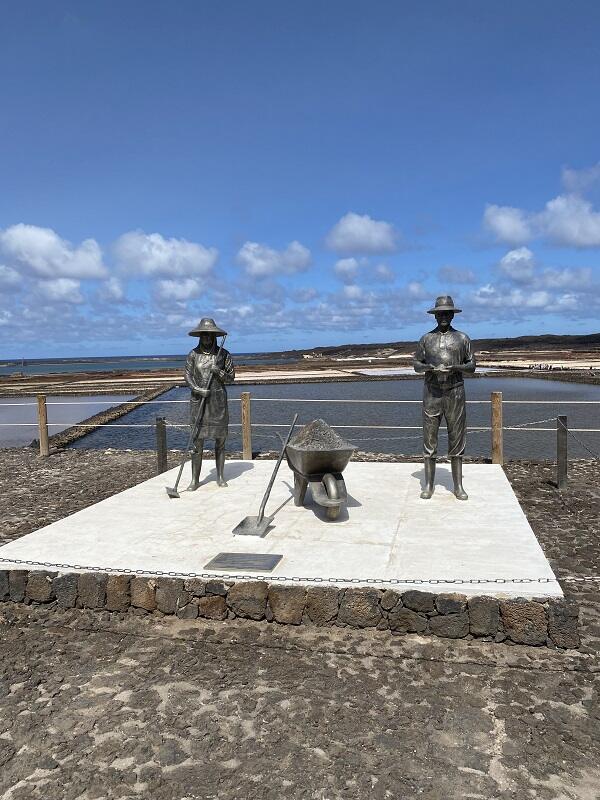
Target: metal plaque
(254,562)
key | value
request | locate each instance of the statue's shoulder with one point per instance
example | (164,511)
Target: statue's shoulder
(462,335)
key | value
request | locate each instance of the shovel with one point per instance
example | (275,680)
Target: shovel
(257,526)
(172,490)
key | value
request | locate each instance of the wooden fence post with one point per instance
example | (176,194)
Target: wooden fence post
(161,445)
(43,425)
(497,434)
(562,431)
(246,427)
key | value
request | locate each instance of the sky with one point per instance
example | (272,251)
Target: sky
(304,173)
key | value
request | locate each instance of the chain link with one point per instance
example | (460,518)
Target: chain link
(300,579)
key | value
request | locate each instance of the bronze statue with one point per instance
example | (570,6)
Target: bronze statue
(207,371)
(444,354)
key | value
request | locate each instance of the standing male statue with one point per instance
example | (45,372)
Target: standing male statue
(443,355)
(200,365)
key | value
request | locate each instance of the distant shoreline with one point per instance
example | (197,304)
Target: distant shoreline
(134,382)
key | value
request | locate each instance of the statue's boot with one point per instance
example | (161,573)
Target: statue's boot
(220,462)
(429,478)
(196,467)
(459,492)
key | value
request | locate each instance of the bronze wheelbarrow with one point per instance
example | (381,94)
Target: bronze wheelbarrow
(317,457)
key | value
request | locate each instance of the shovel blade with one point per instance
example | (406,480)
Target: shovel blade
(172,492)
(252,526)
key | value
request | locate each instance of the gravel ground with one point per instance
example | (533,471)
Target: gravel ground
(103,706)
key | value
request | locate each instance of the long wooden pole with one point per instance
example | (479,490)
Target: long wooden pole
(246,427)
(43,425)
(497,440)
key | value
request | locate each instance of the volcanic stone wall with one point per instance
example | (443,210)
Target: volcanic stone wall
(541,621)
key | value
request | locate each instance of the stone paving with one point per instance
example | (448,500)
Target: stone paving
(98,705)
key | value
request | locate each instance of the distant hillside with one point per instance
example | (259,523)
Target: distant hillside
(582,342)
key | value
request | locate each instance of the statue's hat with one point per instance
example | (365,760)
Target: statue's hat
(207,325)
(444,303)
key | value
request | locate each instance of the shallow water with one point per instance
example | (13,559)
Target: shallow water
(63,412)
(289,400)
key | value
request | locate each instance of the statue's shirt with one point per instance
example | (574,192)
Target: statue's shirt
(451,349)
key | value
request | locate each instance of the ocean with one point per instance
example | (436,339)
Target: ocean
(45,366)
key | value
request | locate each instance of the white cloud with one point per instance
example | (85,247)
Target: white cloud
(524,287)
(41,252)
(259,260)
(354,233)
(570,221)
(416,290)
(507,224)
(498,297)
(521,300)
(566,278)
(578,181)
(346,269)
(181,290)
(60,290)
(152,255)
(353,292)
(9,278)
(518,265)
(112,290)
(451,274)
(383,273)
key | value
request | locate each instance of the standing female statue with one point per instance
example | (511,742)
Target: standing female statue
(200,365)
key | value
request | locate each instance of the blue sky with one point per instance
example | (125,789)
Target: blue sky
(307,173)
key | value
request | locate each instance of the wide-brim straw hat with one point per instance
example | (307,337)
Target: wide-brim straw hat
(444,303)
(207,325)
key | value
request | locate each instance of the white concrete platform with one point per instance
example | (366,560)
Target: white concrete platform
(386,532)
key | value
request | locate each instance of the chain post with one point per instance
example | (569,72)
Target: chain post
(43,425)
(562,432)
(246,427)
(161,445)
(497,435)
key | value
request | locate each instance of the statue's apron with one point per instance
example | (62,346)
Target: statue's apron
(215,419)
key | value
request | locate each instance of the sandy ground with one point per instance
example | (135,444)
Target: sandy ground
(102,706)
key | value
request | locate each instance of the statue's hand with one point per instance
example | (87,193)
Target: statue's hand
(216,371)
(203,392)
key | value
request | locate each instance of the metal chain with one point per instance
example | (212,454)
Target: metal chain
(299,579)
(578,440)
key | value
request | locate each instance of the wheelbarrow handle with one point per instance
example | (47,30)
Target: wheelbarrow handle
(261,511)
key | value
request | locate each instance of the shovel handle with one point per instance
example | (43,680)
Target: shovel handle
(261,511)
